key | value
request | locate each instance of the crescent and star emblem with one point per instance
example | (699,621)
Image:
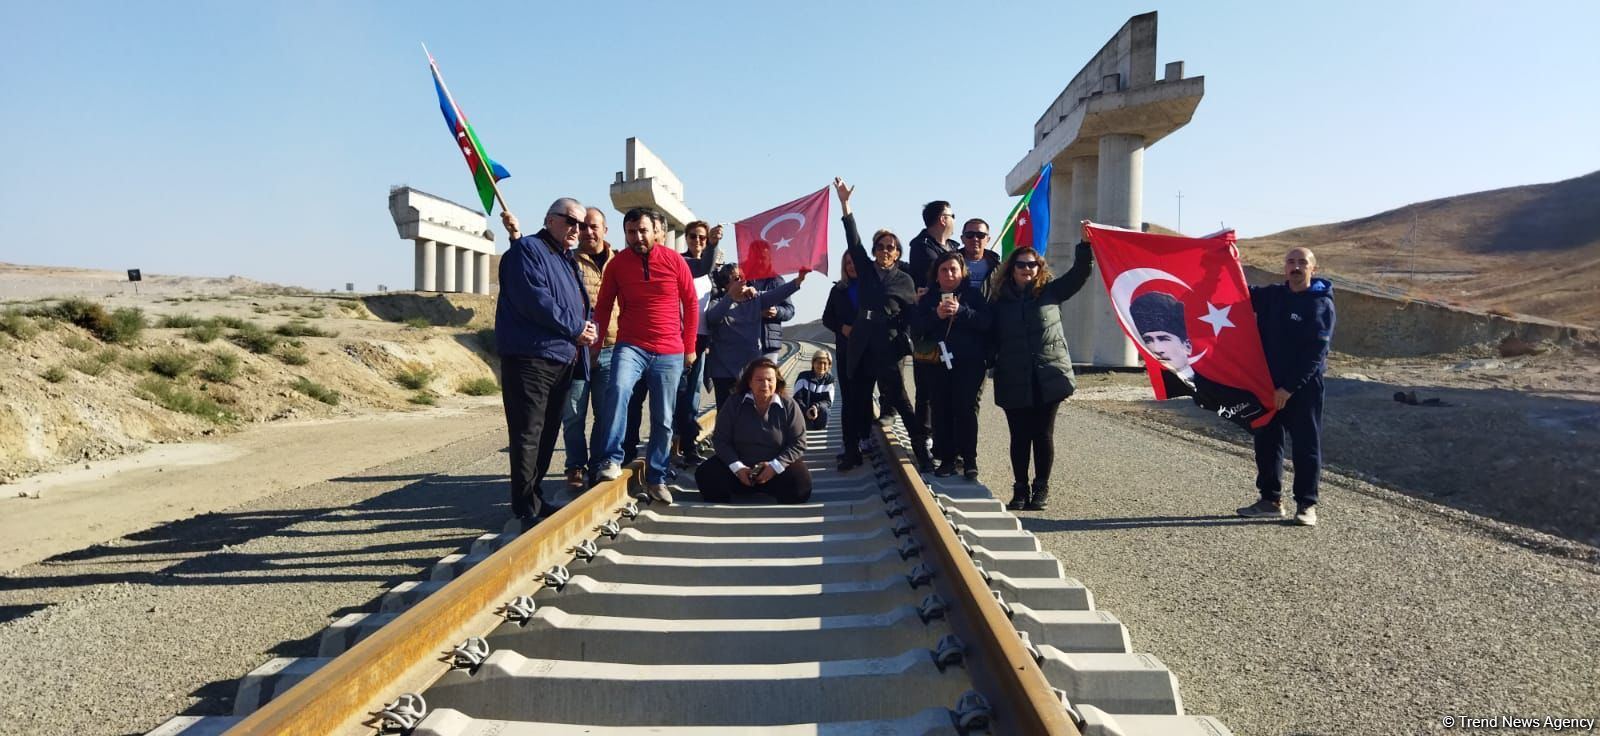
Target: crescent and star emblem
(783,242)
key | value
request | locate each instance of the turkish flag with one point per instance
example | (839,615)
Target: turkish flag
(1185,304)
(785,239)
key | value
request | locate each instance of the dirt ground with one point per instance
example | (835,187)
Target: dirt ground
(1511,439)
(69,397)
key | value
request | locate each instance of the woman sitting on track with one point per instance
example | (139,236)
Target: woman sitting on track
(813,390)
(954,316)
(760,441)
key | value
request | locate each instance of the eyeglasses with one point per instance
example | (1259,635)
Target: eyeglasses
(974,235)
(1026,264)
(885,247)
(571,221)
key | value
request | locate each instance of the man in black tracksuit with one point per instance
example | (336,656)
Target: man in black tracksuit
(1296,321)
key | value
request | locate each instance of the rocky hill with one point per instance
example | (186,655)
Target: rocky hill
(1526,250)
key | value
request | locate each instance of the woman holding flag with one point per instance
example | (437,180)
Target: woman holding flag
(1032,366)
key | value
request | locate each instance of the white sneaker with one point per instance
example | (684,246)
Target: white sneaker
(658,492)
(1306,516)
(609,471)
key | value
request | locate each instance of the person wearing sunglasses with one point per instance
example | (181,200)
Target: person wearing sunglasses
(885,295)
(939,226)
(591,257)
(542,325)
(980,260)
(1032,365)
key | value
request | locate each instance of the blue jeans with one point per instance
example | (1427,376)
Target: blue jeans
(581,399)
(660,373)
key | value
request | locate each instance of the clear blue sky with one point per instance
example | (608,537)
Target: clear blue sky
(261,139)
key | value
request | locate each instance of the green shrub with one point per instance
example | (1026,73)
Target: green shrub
(423,398)
(171,363)
(171,396)
(293,356)
(16,324)
(480,387)
(121,326)
(349,306)
(205,332)
(258,309)
(78,342)
(414,376)
(135,363)
(182,321)
(107,356)
(222,368)
(232,323)
(301,328)
(88,366)
(418,323)
(251,337)
(54,374)
(317,391)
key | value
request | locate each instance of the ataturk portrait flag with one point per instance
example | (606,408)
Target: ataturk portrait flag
(1185,304)
(788,238)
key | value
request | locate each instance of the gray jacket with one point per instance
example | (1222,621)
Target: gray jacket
(745,437)
(737,331)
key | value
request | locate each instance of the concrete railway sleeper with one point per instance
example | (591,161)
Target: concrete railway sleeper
(884,605)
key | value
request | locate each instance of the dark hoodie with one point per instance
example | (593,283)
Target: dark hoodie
(1296,329)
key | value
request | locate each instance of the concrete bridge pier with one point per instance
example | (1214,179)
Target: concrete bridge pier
(427,259)
(453,243)
(480,279)
(465,270)
(447,268)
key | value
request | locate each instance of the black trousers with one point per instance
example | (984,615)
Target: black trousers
(821,422)
(718,484)
(885,375)
(956,393)
(1033,431)
(925,377)
(534,391)
(1301,420)
(721,389)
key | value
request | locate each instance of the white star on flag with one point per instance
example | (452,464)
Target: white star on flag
(1022,219)
(782,243)
(1217,318)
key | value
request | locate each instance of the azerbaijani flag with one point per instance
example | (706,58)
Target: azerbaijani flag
(467,141)
(1029,221)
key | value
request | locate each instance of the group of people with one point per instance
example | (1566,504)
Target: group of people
(581,326)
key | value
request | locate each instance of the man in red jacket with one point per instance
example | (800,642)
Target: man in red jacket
(652,287)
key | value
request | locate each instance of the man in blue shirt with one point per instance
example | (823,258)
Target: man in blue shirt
(980,260)
(541,320)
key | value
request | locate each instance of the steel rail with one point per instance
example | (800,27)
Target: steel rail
(1020,698)
(411,652)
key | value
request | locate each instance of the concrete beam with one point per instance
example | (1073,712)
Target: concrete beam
(1152,113)
(647,182)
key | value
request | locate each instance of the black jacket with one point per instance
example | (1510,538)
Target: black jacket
(924,251)
(1296,330)
(772,337)
(1032,365)
(883,300)
(838,312)
(965,335)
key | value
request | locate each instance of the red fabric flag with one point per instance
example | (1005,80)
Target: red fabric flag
(786,238)
(1185,304)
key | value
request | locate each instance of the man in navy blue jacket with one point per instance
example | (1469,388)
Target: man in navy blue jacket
(540,322)
(1296,322)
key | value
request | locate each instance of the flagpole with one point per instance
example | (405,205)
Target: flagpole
(471,140)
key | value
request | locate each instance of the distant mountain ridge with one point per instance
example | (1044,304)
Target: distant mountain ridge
(1531,249)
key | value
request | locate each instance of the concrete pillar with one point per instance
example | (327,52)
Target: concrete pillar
(1119,200)
(480,279)
(427,259)
(1078,313)
(465,270)
(447,268)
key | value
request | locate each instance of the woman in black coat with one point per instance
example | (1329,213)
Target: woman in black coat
(954,316)
(885,295)
(1032,366)
(839,316)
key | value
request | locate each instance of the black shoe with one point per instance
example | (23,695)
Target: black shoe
(1039,497)
(924,459)
(1019,497)
(971,473)
(849,462)
(691,459)
(945,470)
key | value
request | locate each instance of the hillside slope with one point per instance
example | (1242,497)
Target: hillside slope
(1530,249)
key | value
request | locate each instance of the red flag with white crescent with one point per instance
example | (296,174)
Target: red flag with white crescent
(785,239)
(1185,304)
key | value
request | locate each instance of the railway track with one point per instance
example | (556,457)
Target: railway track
(886,605)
